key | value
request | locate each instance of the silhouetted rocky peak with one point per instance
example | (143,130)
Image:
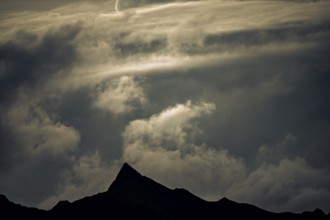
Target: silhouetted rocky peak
(318,212)
(61,205)
(128,173)
(225,200)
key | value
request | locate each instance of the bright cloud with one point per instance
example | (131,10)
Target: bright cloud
(119,95)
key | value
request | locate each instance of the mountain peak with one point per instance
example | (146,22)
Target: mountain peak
(127,166)
(318,212)
(128,173)
(61,205)
(224,199)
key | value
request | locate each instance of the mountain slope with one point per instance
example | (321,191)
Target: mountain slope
(132,195)
(15,211)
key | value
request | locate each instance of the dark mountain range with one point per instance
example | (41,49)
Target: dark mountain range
(132,195)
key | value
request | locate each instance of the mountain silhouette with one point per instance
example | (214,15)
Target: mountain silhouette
(133,196)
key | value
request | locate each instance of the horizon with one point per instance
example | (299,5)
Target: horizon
(223,98)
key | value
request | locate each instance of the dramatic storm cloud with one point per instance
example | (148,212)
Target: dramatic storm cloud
(224,98)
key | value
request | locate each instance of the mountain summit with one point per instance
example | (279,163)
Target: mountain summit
(127,174)
(132,195)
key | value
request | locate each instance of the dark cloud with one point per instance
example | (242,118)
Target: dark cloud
(291,32)
(123,49)
(28,62)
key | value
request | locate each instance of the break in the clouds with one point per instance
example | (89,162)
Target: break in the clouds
(225,98)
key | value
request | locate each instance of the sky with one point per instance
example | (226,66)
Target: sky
(221,97)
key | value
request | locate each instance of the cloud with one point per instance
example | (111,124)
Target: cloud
(170,124)
(39,133)
(165,141)
(285,34)
(287,186)
(119,95)
(125,49)
(27,61)
(273,154)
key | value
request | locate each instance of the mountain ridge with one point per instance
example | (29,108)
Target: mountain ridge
(132,195)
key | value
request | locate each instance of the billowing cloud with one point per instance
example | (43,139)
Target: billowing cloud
(119,95)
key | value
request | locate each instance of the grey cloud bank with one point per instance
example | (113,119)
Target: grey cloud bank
(224,98)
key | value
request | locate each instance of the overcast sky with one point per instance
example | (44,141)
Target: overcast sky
(223,98)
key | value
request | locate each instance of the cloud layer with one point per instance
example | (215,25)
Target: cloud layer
(225,98)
